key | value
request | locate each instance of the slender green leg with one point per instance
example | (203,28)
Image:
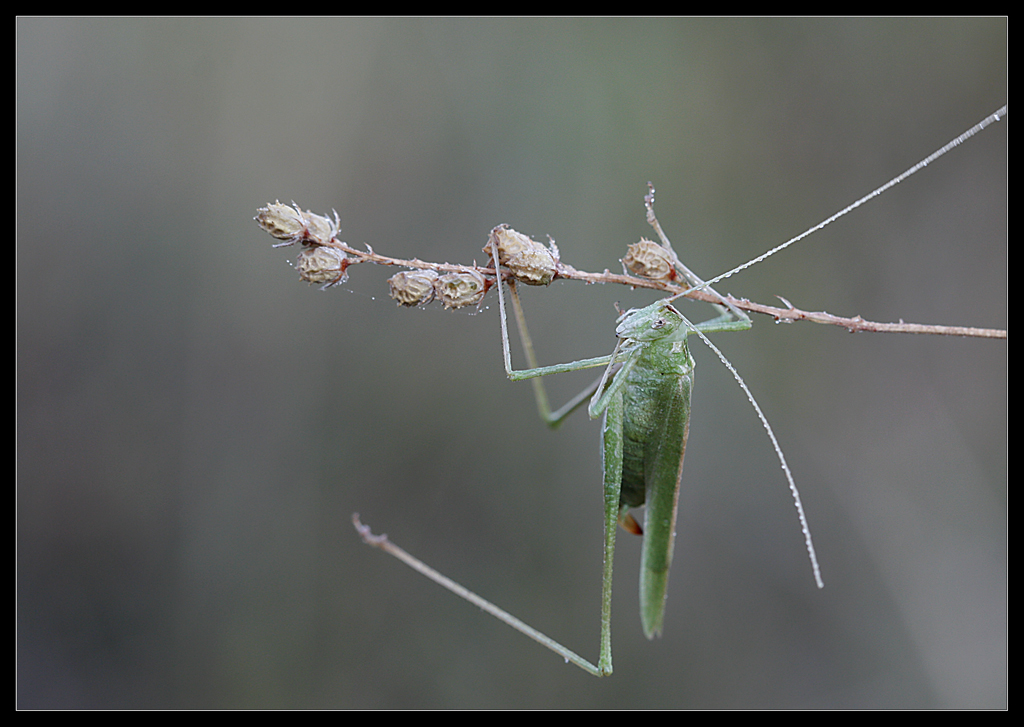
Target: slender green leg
(604,398)
(611,404)
(612,441)
(382,542)
(724,322)
(553,419)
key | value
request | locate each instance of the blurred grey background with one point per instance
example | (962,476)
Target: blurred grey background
(195,426)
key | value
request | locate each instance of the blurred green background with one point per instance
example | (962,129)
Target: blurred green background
(195,426)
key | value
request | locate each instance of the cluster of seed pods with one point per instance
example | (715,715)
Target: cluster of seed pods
(525,259)
(528,261)
(317,263)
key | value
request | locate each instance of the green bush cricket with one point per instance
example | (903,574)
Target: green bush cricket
(644,398)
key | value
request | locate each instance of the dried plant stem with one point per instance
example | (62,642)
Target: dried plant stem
(787,314)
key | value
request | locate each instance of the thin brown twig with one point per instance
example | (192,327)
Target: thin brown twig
(541,266)
(788,314)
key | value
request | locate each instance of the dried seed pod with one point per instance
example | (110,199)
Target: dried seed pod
(293,225)
(509,242)
(320,230)
(457,290)
(322,265)
(533,266)
(528,260)
(647,259)
(281,221)
(413,287)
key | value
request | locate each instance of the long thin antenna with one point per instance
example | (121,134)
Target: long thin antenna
(997,116)
(804,527)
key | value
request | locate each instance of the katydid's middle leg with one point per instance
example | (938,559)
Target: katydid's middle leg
(552,419)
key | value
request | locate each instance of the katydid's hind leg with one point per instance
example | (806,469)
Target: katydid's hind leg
(611,440)
(382,542)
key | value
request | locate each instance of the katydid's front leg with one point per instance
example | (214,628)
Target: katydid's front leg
(731,319)
(724,322)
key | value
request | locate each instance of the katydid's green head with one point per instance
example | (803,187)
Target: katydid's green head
(652,323)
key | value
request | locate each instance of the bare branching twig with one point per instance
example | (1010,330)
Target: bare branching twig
(325,260)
